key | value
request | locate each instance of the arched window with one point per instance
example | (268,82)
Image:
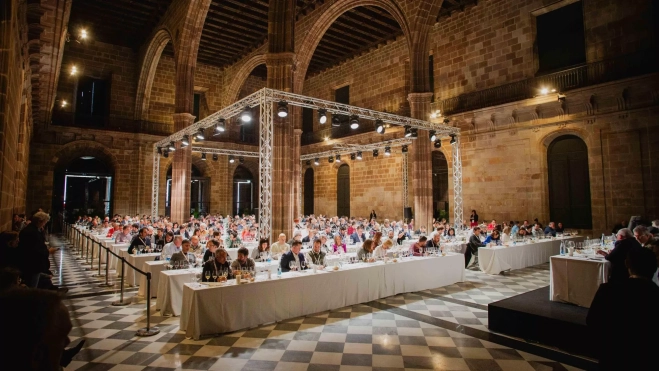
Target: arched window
(440,184)
(343,191)
(569,182)
(308,192)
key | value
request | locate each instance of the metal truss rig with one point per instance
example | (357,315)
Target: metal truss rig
(344,149)
(222,151)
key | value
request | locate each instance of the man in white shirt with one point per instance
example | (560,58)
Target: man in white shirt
(174,246)
(280,247)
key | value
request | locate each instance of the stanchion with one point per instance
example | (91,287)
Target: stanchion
(99,260)
(90,257)
(121,294)
(107,270)
(78,244)
(148,330)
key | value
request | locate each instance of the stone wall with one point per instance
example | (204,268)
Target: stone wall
(161,101)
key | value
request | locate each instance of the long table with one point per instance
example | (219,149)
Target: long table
(210,310)
(494,260)
(575,279)
(154,267)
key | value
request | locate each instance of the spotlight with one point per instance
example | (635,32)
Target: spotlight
(220,127)
(215,157)
(376,153)
(282,109)
(544,91)
(316,161)
(353,156)
(330,159)
(387,151)
(231,159)
(338,158)
(185,141)
(83,34)
(438,143)
(64,103)
(308,162)
(165,154)
(354,122)
(379,126)
(159,150)
(171,147)
(203,156)
(446,121)
(453,140)
(200,135)
(404,149)
(433,135)
(359,155)
(408,131)
(74,70)
(241,160)
(246,115)
(322,116)
(336,121)
(415,133)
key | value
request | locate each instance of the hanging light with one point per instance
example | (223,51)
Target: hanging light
(159,150)
(241,160)
(330,159)
(415,133)
(171,147)
(338,158)
(353,156)
(408,131)
(185,141)
(453,140)
(387,151)
(74,70)
(246,115)
(376,153)
(446,121)
(203,156)
(165,153)
(215,157)
(231,159)
(359,155)
(83,34)
(308,162)
(438,143)
(322,116)
(282,109)
(220,127)
(200,135)
(336,121)
(316,161)
(379,126)
(404,149)
(354,122)
(433,135)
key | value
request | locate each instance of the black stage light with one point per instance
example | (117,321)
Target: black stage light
(282,109)
(203,156)
(354,122)
(330,159)
(359,155)
(379,126)
(408,131)
(353,156)
(387,151)
(453,140)
(438,143)
(200,135)
(231,159)
(185,141)
(404,149)
(165,154)
(336,121)
(376,153)
(171,147)
(433,135)
(322,116)
(215,157)
(316,161)
(338,158)
(220,127)
(246,115)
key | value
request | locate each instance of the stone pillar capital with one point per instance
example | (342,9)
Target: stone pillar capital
(297,132)
(279,59)
(182,120)
(420,98)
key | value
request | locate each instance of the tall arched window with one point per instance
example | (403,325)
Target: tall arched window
(569,182)
(343,191)
(308,192)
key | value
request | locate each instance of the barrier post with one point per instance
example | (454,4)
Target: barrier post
(121,295)
(148,330)
(90,257)
(100,247)
(107,270)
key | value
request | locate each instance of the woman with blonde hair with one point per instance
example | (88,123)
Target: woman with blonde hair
(381,251)
(338,246)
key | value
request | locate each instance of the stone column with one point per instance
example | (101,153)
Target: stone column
(181,172)
(421,159)
(297,171)
(280,77)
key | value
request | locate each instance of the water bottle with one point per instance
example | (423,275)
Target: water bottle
(279,272)
(562,247)
(602,241)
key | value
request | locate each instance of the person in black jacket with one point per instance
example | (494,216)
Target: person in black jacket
(293,254)
(622,317)
(473,219)
(33,250)
(625,242)
(373,215)
(473,245)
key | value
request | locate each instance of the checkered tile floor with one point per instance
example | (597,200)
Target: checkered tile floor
(441,329)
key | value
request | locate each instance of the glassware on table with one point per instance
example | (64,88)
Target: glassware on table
(214,276)
(207,275)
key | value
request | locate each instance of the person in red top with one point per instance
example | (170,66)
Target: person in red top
(116,228)
(417,248)
(491,226)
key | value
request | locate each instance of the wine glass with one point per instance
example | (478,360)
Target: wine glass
(214,276)
(207,274)
(291,265)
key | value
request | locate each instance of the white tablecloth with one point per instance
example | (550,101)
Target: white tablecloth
(219,309)
(116,248)
(131,276)
(575,279)
(233,253)
(155,267)
(170,290)
(494,260)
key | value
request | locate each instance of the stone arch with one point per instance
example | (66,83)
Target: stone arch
(548,138)
(148,70)
(81,148)
(324,22)
(241,76)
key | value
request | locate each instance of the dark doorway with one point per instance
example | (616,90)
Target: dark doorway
(199,192)
(560,39)
(343,191)
(440,185)
(569,182)
(243,191)
(83,186)
(308,192)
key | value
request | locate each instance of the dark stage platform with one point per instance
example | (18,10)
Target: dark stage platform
(535,318)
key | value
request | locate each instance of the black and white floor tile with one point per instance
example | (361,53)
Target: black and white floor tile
(441,329)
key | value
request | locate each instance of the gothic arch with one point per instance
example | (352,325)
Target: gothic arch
(83,148)
(306,49)
(241,76)
(148,70)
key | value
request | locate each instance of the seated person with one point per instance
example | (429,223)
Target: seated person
(358,236)
(381,251)
(184,256)
(339,247)
(248,235)
(551,229)
(316,255)
(434,241)
(297,236)
(293,255)
(310,237)
(174,246)
(232,241)
(560,228)
(473,245)
(139,243)
(195,245)
(367,248)
(417,248)
(522,232)
(623,317)
(494,237)
(243,261)
(262,249)
(280,247)
(492,225)
(124,236)
(625,242)
(211,249)
(216,264)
